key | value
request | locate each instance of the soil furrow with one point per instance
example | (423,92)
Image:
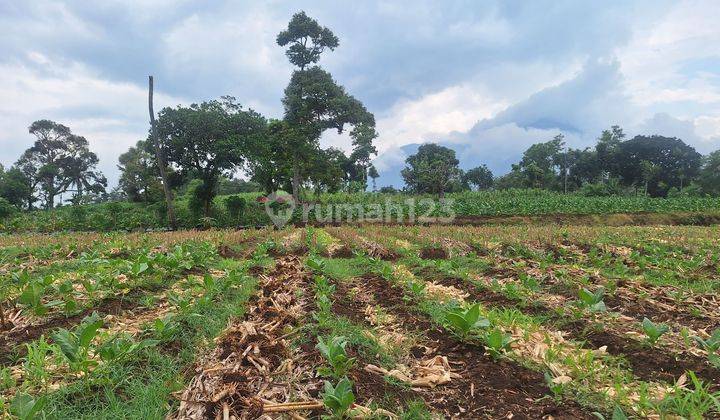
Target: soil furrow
(487,388)
(646,363)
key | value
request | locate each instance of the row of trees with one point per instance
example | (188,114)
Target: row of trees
(204,144)
(654,165)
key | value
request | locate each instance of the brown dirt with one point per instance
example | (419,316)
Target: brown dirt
(343,252)
(639,308)
(10,341)
(646,363)
(433,253)
(500,389)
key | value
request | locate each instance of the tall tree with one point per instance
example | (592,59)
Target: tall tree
(16,188)
(80,171)
(671,160)
(433,169)
(709,175)
(314,102)
(209,139)
(480,177)
(58,160)
(607,147)
(373,173)
(160,157)
(139,174)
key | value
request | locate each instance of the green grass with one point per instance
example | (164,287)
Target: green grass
(141,387)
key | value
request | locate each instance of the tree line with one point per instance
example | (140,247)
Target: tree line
(204,144)
(654,165)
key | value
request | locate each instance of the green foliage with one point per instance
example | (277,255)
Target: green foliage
(617,414)
(6,209)
(696,402)
(235,206)
(336,356)
(75,345)
(316,264)
(497,342)
(25,407)
(433,169)
(593,301)
(121,347)
(653,331)
(712,346)
(465,321)
(338,399)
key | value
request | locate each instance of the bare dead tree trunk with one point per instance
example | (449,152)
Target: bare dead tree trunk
(160,159)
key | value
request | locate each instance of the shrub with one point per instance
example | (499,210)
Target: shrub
(235,206)
(6,209)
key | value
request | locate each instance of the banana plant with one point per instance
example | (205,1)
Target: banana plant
(75,345)
(593,301)
(463,322)
(497,343)
(653,331)
(336,356)
(338,399)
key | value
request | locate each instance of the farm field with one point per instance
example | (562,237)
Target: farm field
(363,321)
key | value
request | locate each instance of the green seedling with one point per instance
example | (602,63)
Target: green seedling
(75,345)
(317,265)
(497,343)
(417,288)
(617,414)
(463,322)
(338,399)
(122,346)
(336,356)
(593,301)
(653,331)
(712,346)
(25,407)
(165,329)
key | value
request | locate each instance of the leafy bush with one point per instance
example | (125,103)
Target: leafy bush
(235,206)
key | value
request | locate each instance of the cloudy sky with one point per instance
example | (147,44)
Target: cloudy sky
(488,78)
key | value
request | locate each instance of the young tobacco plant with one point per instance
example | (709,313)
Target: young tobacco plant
(336,355)
(712,346)
(593,301)
(653,331)
(75,345)
(338,399)
(464,322)
(317,265)
(25,407)
(497,342)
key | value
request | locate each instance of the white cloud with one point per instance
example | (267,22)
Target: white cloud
(111,115)
(652,62)
(456,108)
